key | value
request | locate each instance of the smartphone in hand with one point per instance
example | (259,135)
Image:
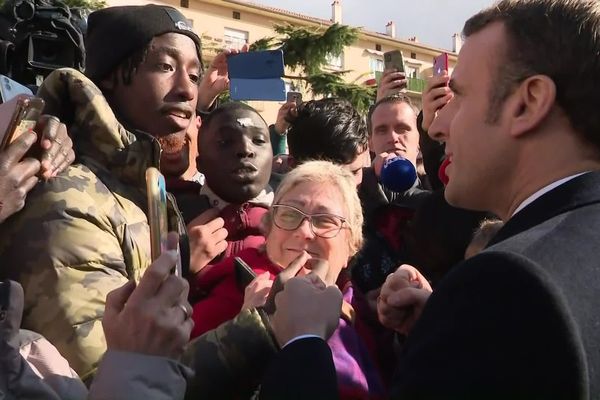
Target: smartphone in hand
(256,75)
(256,65)
(17,116)
(393,60)
(243,273)
(295,97)
(440,64)
(156,190)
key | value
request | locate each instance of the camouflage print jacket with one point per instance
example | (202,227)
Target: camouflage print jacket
(85,232)
(229,362)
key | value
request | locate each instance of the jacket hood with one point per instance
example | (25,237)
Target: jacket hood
(99,139)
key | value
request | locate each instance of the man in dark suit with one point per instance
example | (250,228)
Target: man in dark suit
(519,320)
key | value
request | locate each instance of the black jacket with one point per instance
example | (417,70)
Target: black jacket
(520,320)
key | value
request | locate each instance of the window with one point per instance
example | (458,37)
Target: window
(235,39)
(413,55)
(411,72)
(336,62)
(376,64)
(236,15)
(184,3)
(378,47)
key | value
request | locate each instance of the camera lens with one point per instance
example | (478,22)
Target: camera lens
(24,10)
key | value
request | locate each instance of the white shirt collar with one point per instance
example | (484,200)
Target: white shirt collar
(545,190)
(264,198)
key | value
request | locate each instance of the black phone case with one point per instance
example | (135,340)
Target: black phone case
(243,273)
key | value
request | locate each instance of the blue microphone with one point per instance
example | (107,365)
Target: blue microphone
(398,174)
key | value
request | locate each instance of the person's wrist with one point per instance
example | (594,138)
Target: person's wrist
(205,102)
(425,123)
(281,129)
(290,334)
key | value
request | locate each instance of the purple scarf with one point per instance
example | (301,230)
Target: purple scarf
(357,374)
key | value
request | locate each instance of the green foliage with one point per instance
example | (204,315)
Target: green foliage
(306,51)
(87,4)
(332,84)
(309,50)
(264,44)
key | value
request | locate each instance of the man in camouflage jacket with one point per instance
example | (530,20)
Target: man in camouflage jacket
(85,232)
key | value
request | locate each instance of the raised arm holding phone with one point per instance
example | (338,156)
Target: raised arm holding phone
(20,173)
(146,328)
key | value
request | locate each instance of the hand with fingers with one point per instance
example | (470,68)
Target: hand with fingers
(435,96)
(216,79)
(379,160)
(57,146)
(391,82)
(286,111)
(402,298)
(257,291)
(152,317)
(303,305)
(207,237)
(17,175)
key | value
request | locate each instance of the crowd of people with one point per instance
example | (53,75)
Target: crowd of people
(304,276)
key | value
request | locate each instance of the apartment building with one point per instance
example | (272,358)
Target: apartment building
(233,23)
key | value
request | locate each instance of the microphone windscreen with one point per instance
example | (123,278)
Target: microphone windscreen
(398,174)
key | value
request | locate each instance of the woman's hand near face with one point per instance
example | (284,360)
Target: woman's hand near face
(285,275)
(256,293)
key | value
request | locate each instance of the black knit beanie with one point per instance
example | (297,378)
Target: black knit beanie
(114,33)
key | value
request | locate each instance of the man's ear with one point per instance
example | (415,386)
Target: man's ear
(531,104)
(111,81)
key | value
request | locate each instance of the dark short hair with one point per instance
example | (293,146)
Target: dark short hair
(222,109)
(393,99)
(329,129)
(556,38)
(125,71)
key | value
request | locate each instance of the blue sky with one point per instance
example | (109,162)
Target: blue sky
(433,22)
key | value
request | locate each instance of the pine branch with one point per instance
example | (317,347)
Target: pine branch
(306,50)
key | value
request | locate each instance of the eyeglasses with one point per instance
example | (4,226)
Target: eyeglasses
(323,225)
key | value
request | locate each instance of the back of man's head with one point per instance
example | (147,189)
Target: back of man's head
(328,129)
(115,34)
(556,38)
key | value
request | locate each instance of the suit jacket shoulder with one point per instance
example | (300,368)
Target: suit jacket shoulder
(496,327)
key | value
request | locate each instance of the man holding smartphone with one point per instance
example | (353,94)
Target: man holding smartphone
(86,232)
(19,174)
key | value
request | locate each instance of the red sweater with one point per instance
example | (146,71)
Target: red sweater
(221,298)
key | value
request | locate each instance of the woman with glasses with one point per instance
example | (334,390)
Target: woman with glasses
(316,214)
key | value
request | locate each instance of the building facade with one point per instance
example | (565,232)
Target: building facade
(233,23)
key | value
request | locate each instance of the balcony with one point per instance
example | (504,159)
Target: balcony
(416,85)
